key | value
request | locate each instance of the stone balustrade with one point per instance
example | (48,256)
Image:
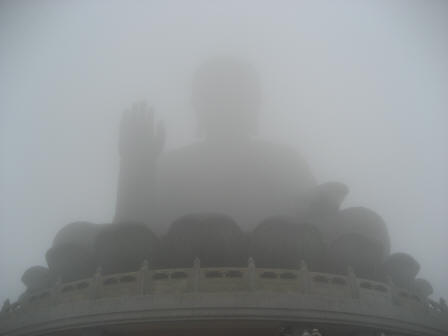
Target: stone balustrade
(274,298)
(225,279)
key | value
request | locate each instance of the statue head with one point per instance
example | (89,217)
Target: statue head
(226,97)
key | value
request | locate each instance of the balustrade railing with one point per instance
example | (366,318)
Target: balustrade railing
(148,281)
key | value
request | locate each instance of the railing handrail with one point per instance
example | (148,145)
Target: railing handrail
(198,278)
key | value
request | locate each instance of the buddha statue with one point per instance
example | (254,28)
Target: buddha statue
(228,171)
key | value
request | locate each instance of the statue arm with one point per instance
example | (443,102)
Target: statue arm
(140,146)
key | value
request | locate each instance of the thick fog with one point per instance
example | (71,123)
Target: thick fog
(359,88)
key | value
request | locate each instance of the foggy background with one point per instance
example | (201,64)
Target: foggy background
(360,88)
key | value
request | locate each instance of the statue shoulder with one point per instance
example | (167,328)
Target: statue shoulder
(282,155)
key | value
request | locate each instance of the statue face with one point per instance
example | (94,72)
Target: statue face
(226,97)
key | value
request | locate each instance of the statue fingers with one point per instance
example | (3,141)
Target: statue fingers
(160,137)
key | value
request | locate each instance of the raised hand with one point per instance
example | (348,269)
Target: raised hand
(139,139)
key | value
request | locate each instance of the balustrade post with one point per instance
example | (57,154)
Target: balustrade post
(144,277)
(443,306)
(393,291)
(304,277)
(196,274)
(353,283)
(56,291)
(251,272)
(96,284)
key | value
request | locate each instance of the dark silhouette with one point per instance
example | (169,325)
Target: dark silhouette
(358,238)
(124,247)
(422,288)
(71,256)
(216,240)
(401,269)
(36,278)
(281,242)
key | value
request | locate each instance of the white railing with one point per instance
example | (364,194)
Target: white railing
(224,279)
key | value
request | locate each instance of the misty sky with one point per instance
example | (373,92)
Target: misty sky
(359,87)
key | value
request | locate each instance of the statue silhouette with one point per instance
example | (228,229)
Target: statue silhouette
(228,171)
(223,199)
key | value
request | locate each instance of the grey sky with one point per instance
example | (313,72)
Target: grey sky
(359,87)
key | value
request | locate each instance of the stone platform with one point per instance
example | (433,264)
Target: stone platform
(215,301)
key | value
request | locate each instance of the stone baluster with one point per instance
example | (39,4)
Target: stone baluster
(56,291)
(304,277)
(97,283)
(196,274)
(443,305)
(353,283)
(251,272)
(144,277)
(393,291)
